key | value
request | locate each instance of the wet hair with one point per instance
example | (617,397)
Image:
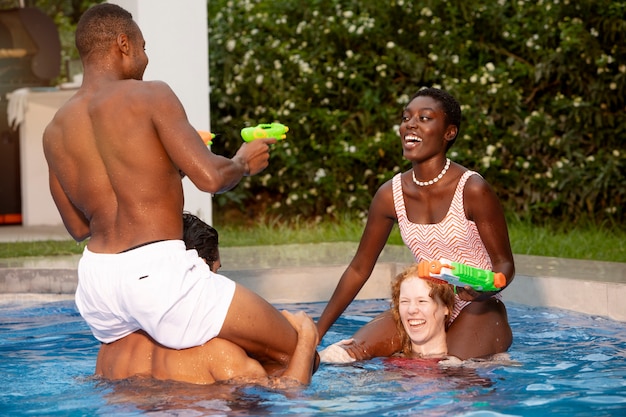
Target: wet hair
(450,105)
(100,25)
(200,236)
(439,291)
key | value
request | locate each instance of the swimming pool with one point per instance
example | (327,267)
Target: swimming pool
(563,363)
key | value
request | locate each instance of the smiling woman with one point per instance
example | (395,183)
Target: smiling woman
(421,309)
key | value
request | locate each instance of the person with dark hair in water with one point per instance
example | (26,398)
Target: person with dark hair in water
(203,238)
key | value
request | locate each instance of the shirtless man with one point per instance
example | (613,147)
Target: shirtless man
(217,360)
(115,151)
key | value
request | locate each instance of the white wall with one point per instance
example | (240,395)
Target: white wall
(178,47)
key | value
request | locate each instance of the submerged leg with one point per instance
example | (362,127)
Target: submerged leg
(259,328)
(481,329)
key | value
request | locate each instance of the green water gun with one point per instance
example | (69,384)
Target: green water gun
(461,275)
(263,131)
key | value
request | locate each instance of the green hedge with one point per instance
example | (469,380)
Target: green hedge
(542,84)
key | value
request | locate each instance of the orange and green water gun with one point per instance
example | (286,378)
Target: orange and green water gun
(461,275)
(207,137)
(261,131)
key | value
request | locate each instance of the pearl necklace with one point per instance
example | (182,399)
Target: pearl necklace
(434,180)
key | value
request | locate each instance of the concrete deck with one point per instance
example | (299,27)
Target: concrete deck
(309,273)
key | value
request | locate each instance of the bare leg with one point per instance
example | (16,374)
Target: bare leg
(259,328)
(481,329)
(377,338)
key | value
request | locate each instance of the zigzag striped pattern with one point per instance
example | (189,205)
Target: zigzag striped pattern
(455,238)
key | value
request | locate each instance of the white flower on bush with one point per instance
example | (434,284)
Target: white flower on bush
(390,45)
(303,65)
(230,45)
(319,174)
(426,12)
(402,99)
(259,79)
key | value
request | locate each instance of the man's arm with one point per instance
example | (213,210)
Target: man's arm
(74,220)
(183,144)
(302,364)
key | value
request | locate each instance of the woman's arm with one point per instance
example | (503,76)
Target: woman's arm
(380,221)
(483,208)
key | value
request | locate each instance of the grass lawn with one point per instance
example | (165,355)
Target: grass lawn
(578,242)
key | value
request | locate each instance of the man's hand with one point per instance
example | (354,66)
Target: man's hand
(255,155)
(304,325)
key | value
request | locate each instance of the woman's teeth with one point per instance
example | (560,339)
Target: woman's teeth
(412,138)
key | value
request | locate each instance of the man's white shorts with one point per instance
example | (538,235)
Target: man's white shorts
(162,288)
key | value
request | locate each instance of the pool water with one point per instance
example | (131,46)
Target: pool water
(562,364)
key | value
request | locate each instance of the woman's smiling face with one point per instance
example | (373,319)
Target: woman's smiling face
(423,127)
(422,317)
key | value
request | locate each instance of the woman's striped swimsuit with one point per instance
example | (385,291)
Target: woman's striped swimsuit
(455,238)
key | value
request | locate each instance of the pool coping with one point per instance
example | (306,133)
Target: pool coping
(309,273)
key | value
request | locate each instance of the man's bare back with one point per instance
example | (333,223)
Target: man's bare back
(115,150)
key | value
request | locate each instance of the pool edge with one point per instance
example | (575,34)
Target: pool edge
(589,287)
